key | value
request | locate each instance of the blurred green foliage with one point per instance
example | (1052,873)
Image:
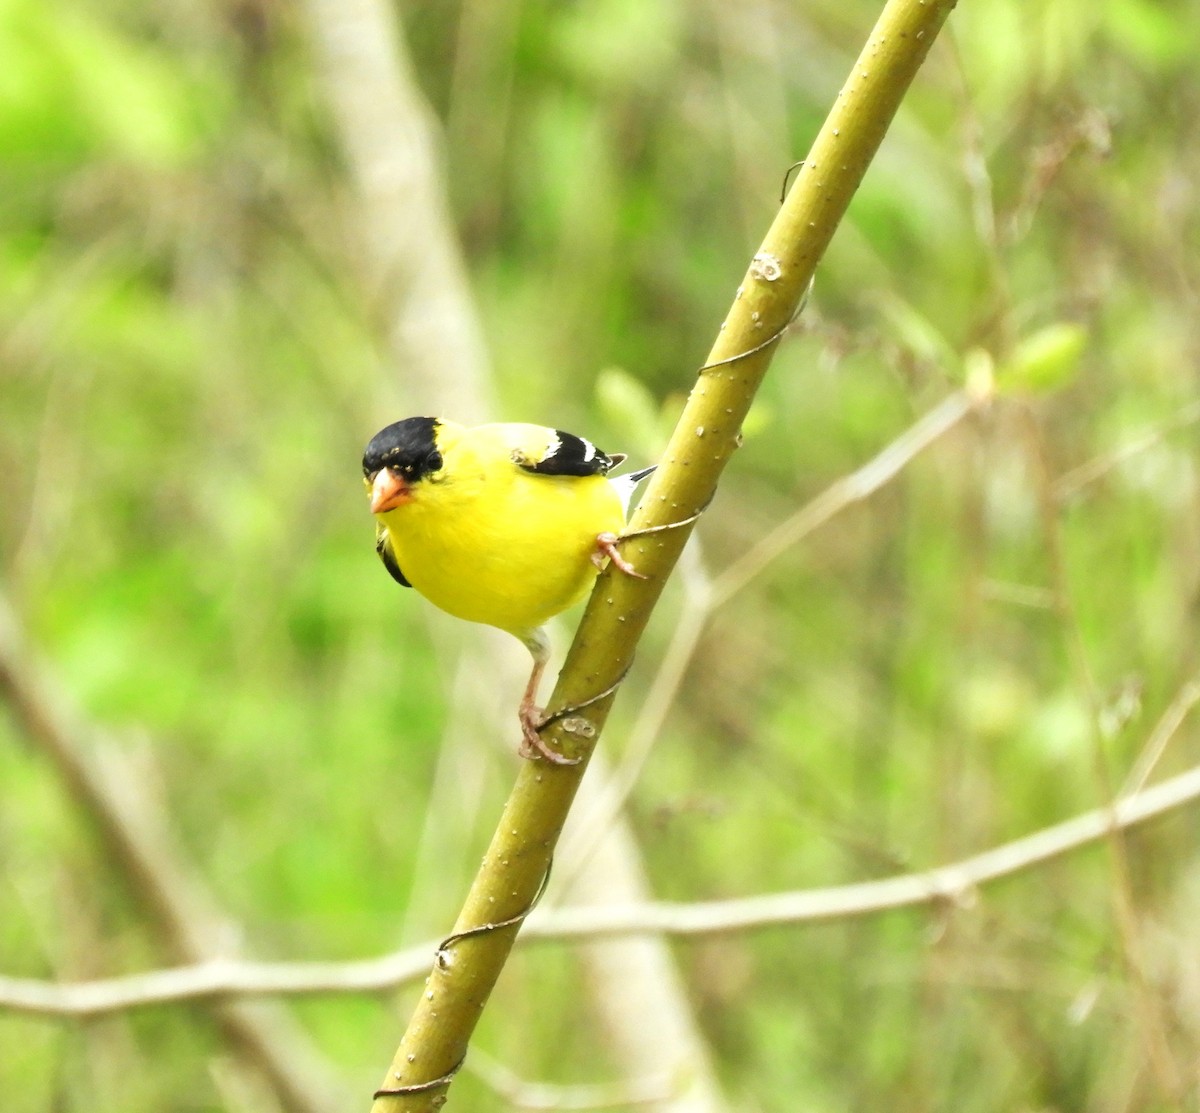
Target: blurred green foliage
(188,370)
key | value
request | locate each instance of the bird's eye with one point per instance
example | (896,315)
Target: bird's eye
(433,461)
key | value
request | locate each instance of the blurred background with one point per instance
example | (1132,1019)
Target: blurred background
(239,236)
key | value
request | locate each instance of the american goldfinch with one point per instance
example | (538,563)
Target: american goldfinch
(502,524)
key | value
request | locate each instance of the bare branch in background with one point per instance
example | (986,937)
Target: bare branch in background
(413,261)
(1069,485)
(103,782)
(955,884)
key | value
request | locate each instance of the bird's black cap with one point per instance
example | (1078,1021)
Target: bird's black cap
(409,446)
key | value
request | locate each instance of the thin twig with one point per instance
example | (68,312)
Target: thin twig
(954,884)
(850,489)
(1168,724)
(1071,483)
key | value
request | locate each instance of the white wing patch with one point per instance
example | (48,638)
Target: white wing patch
(625,485)
(567,454)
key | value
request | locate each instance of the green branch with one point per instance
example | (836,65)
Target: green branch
(705,438)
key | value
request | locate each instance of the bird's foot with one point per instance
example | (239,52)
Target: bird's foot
(606,546)
(533,719)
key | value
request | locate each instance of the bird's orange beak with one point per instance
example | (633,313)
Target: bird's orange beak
(388,491)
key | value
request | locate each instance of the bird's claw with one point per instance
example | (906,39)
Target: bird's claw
(533,719)
(606,546)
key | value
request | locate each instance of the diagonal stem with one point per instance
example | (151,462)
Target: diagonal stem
(703,442)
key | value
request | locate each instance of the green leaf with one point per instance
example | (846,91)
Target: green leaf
(1044,361)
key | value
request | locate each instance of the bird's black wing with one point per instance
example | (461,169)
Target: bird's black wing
(571,455)
(389,558)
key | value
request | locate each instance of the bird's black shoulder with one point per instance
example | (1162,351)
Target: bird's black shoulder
(571,455)
(384,549)
(409,446)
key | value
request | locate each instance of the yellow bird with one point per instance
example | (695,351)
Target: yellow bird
(504,524)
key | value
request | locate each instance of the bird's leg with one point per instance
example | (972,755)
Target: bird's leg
(606,543)
(530,714)
(606,546)
(532,717)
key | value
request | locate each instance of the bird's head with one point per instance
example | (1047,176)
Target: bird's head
(397,458)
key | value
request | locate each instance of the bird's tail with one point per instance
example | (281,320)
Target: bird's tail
(625,484)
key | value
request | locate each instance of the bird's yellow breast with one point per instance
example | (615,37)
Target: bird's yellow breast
(490,542)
